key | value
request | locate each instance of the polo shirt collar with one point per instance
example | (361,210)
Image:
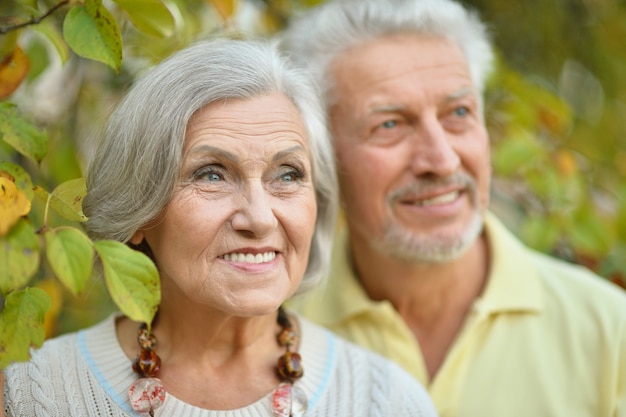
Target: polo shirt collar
(513,284)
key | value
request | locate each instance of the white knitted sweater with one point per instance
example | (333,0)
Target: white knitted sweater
(87,374)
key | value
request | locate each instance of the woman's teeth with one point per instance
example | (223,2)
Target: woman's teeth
(250,258)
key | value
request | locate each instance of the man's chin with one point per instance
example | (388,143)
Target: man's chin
(436,248)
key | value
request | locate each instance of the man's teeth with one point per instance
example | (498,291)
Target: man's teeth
(250,258)
(441,199)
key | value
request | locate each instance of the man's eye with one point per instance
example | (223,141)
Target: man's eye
(461,111)
(389,124)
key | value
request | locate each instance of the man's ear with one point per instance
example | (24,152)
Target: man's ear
(137,238)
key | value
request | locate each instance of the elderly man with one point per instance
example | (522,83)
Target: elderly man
(423,272)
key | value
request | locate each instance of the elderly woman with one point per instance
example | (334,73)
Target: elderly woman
(218,166)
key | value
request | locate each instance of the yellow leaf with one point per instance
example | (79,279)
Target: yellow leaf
(271,23)
(55,291)
(13,204)
(13,70)
(226,8)
(4,174)
(566,163)
(620,162)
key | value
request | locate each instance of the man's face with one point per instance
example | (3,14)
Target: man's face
(413,151)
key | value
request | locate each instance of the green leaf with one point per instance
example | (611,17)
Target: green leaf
(50,32)
(91,31)
(21,177)
(151,17)
(21,134)
(41,193)
(30,5)
(620,220)
(588,234)
(615,261)
(21,324)
(64,163)
(540,233)
(39,61)
(8,42)
(547,185)
(70,254)
(19,256)
(131,278)
(516,153)
(67,199)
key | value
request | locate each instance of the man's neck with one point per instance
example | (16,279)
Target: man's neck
(433,299)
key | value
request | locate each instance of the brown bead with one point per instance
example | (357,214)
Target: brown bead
(147,363)
(286,337)
(290,366)
(146,340)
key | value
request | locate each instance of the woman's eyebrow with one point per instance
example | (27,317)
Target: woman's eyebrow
(289,151)
(208,149)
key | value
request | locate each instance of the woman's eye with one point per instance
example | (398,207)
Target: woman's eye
(209,175)
(213,176)
(291,175)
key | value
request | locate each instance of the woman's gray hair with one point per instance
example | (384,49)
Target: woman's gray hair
(320,36)
(133,172)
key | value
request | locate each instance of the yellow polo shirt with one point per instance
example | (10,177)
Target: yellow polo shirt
(546,339)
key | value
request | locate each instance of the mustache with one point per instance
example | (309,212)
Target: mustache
(426,184)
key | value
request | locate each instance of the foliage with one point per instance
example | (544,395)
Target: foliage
(83,53)
(554,113)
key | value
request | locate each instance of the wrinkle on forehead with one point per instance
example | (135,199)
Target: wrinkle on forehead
(378,73)
(398,108)
(257,118)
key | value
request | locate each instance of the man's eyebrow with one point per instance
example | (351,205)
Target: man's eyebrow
(387,108)
(458,94)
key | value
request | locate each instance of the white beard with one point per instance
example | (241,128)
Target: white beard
(415,248)
(429,249)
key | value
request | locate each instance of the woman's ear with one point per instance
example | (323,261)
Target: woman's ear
(137,238)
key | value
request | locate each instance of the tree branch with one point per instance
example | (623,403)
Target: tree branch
(34,20)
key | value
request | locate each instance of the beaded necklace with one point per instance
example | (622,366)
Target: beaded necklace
(148,393)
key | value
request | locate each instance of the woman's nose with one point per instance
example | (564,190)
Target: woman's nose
(254,213)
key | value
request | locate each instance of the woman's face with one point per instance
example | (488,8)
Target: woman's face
(237,232)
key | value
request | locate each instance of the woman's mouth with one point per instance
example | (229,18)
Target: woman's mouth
(250,258)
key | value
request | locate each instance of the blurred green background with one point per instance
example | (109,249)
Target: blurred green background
(555,108)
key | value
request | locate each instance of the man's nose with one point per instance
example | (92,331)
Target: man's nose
(432,152)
